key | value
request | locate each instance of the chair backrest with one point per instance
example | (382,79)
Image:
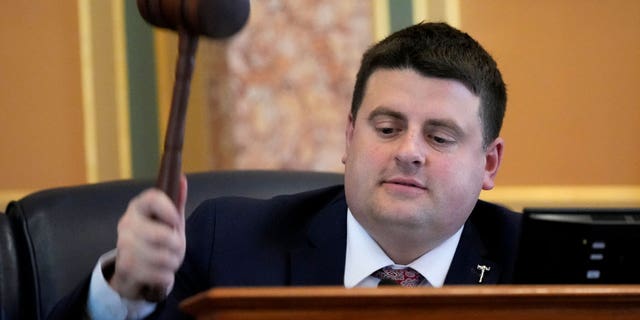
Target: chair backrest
(61,232)
(10,286)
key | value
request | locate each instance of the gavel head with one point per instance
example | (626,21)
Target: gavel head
(212,18)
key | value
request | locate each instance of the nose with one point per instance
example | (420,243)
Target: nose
(411,152)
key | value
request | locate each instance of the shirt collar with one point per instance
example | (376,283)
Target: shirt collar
(364,256)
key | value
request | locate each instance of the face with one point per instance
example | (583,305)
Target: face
(414,160)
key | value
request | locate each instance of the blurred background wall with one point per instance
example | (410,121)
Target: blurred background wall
(85,88)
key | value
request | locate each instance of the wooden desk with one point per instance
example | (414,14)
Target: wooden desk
(451,302)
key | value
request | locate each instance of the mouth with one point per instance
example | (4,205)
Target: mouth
(405,182)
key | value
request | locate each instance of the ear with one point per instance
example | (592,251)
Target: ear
(348,136)
(493,158)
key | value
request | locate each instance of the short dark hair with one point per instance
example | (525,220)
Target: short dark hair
(441,51)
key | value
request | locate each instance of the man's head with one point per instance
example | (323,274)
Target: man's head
(440,51)
(419,148)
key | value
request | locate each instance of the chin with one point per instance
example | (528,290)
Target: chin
(403,215)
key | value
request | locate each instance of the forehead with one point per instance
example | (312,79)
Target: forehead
(415,95)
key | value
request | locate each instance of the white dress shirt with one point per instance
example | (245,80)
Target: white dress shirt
(363,257)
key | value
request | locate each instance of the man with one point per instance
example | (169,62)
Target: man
(422,141)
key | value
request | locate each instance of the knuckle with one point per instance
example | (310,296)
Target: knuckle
(124,267)
(162,279)
(167,261)
(158,236)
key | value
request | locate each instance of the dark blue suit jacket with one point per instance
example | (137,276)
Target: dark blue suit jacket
(300,240)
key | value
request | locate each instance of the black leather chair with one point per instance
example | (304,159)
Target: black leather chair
(10,286)
(54,237)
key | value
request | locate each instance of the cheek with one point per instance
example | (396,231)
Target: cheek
(446,166)
(460,171)
(365,153)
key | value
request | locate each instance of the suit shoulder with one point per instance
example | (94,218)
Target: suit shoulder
(236,231)
(492,213)
(498,225)
(241,207)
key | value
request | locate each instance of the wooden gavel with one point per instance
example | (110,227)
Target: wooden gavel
(191,18)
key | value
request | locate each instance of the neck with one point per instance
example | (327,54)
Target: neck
(404,247)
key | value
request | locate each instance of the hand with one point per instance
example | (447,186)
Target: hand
(151,243)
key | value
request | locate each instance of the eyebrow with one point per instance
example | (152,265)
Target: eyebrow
(446,123)
(384,111)
(433,123)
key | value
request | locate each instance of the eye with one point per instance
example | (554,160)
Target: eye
(441,140)
(387,131)
(387,128)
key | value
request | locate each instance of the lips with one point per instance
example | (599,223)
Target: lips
(408,182)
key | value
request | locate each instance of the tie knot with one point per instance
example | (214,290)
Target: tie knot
(405,277)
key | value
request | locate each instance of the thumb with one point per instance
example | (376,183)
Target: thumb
(182,200)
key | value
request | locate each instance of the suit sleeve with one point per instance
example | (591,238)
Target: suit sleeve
(191,278)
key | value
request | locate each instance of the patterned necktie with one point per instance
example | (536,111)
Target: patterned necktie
(405,277)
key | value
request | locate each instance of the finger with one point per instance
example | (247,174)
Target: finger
(158,236)
(151,263)
(145,255)
(161,260)
(141,264)
(152,233)
(155,204)
(182,202)
(140,226)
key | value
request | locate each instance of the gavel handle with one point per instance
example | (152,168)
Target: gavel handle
(171,164)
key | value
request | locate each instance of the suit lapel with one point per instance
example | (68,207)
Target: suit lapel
(469,260)
(319,259)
